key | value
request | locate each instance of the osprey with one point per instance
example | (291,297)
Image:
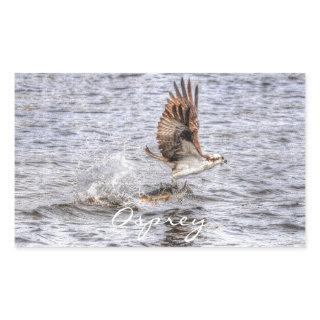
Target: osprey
(178,137)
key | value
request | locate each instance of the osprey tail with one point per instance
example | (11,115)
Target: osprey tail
(153,155)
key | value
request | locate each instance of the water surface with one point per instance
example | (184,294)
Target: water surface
(79,136)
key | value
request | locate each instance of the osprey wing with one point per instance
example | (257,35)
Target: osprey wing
(178,127)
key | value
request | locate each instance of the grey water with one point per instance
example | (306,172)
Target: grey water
(79,159)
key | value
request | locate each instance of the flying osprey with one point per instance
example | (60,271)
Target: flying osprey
(178,138)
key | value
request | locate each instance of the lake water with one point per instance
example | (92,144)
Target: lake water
(81,136)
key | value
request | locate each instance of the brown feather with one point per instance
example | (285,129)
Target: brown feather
(181,116)
(178,123)
(183,88)
(196,97)
(177,90)
(187,116)
(190,91)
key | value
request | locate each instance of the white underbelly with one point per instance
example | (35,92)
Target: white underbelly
(183,173)
(187,167)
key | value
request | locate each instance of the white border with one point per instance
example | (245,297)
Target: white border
(139,36)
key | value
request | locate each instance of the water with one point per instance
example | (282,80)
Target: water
(79,158)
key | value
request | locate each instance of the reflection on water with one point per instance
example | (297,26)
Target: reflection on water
(79,159)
